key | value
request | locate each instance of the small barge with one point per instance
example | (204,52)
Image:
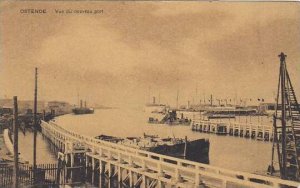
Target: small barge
(171,119)
(195,150)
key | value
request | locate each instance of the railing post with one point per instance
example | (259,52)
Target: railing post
(130,178)
(160,172)
(93,164)
(144,167)
(119,174)
(100,152)
(86,164)
(197,180)
(143,184)
(120,158)
(177,173)
(109,169)
(72,159)
(224,183)
(130,163)
(101,166)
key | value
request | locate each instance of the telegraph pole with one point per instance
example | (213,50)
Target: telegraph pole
(16,149)
(35,126)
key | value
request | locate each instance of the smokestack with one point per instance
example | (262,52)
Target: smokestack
(211,98)
(153,100)
(80,103)
(85,104)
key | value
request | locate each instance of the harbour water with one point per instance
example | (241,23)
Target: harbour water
(225,151)
(44,153)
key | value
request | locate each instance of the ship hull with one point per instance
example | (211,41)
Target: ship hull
(79,111)
(197,150)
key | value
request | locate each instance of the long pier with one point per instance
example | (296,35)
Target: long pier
(139,168)
(245,130)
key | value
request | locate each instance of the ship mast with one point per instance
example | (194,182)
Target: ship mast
(177,99)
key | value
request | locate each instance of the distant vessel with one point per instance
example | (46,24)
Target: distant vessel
(82,110)
(195,150)
(155,107)
(171,119)
(220,116)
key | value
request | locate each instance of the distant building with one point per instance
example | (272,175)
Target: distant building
(23,105)
(268,108)
(59,107)
(5,110)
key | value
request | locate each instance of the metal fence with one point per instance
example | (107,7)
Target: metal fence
(46,174)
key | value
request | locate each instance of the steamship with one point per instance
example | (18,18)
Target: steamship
(82,110)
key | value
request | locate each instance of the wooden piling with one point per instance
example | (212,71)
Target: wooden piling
(16,149)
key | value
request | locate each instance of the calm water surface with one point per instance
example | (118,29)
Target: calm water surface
(44,154)
(225,151)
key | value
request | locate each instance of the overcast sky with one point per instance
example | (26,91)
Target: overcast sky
(224,49)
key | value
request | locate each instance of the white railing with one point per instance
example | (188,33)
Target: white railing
(7,141)
(236,125)
(184,166)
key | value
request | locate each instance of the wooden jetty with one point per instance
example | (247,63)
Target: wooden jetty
(245,130)
(139,168)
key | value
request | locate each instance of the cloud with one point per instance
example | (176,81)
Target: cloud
(223,48)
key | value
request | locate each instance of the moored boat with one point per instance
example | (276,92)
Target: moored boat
(171,119)
(194,150)
(78,111)
(82,110)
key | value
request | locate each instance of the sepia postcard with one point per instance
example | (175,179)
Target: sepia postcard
(150,94)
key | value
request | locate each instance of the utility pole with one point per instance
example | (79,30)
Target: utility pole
(16,149)
(35,126)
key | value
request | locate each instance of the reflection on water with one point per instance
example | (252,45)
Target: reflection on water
(225,151)
(44,155)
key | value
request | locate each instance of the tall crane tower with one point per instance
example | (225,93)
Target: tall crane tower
(286,126)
